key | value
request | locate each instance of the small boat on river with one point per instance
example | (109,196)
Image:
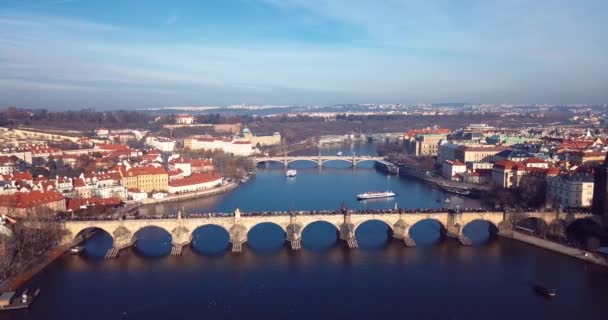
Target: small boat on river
(549,293)
(76,249)
(375,195)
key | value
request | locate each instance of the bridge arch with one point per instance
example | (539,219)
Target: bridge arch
(538,224)
(210,238)
(493,228)
(386,222)
(312,160)
(327,234)
(255,239)
(428,223)
(584,232)
(158,247)
(345,159)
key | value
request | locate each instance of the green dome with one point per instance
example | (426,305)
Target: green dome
(246,130)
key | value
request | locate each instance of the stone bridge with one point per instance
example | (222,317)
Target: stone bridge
(346,224)
(319,160)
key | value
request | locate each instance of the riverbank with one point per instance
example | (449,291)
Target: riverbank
(447,185)
(560,248)
(27,272)
(192,195)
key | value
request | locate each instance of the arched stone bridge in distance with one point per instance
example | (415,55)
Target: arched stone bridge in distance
(346,223)
(319,160)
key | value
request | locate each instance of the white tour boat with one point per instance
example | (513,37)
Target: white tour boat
(375,195)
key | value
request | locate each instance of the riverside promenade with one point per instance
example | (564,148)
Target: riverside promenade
(192,195)
(560,248)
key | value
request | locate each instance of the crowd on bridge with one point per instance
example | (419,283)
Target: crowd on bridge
(274,213)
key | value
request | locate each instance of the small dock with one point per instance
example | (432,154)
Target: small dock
(352,243)
(112,253)
(176,250)
(7,301)
(409,242)
(296,245)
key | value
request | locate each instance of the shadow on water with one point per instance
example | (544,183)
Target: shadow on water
(266,237)
(96,247)
(373,234)
(210,240)
(152,242)
(480,232)
(320,236)
(427,232)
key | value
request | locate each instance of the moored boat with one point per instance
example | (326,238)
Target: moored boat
(375,195)
(291,173)
(76,249)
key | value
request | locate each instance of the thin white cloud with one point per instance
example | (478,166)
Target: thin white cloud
(29,85)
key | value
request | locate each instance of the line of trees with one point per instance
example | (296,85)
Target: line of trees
(32,237)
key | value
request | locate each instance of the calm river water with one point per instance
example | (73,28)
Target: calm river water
(439,279)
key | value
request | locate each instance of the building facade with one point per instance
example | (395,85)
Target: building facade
(145,178)
(574,191)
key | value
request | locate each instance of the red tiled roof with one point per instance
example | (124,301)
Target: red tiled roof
(140,171)
(196,178)
(18,176)
(29,199)
(506,164)
(534,160)
(112,147)
(75,204)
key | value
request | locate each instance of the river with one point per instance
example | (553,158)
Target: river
(439,279)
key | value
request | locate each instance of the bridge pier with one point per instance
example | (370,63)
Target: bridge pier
(238,236)
(401,231)
(294,236)
(347,233)
(454,229)
(122,238)
(180,237)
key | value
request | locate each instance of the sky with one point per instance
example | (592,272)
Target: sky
(72,54)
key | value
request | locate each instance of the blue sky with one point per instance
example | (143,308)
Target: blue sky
(132,54)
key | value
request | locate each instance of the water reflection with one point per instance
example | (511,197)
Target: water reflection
(427,232)
(211,240)
(266,237)
(226,285)
(152,241)
(319,235)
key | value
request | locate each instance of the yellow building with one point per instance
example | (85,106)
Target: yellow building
(145,178)
(428,144)
(261,140)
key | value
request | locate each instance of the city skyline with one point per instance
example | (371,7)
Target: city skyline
(66,54)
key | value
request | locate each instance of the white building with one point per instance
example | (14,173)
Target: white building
(110,192)
(450,168)
(102,132)
(184,119)
(235,147)
(7,165)
(137,194)
(160,143)
(196,182)
(574,191)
